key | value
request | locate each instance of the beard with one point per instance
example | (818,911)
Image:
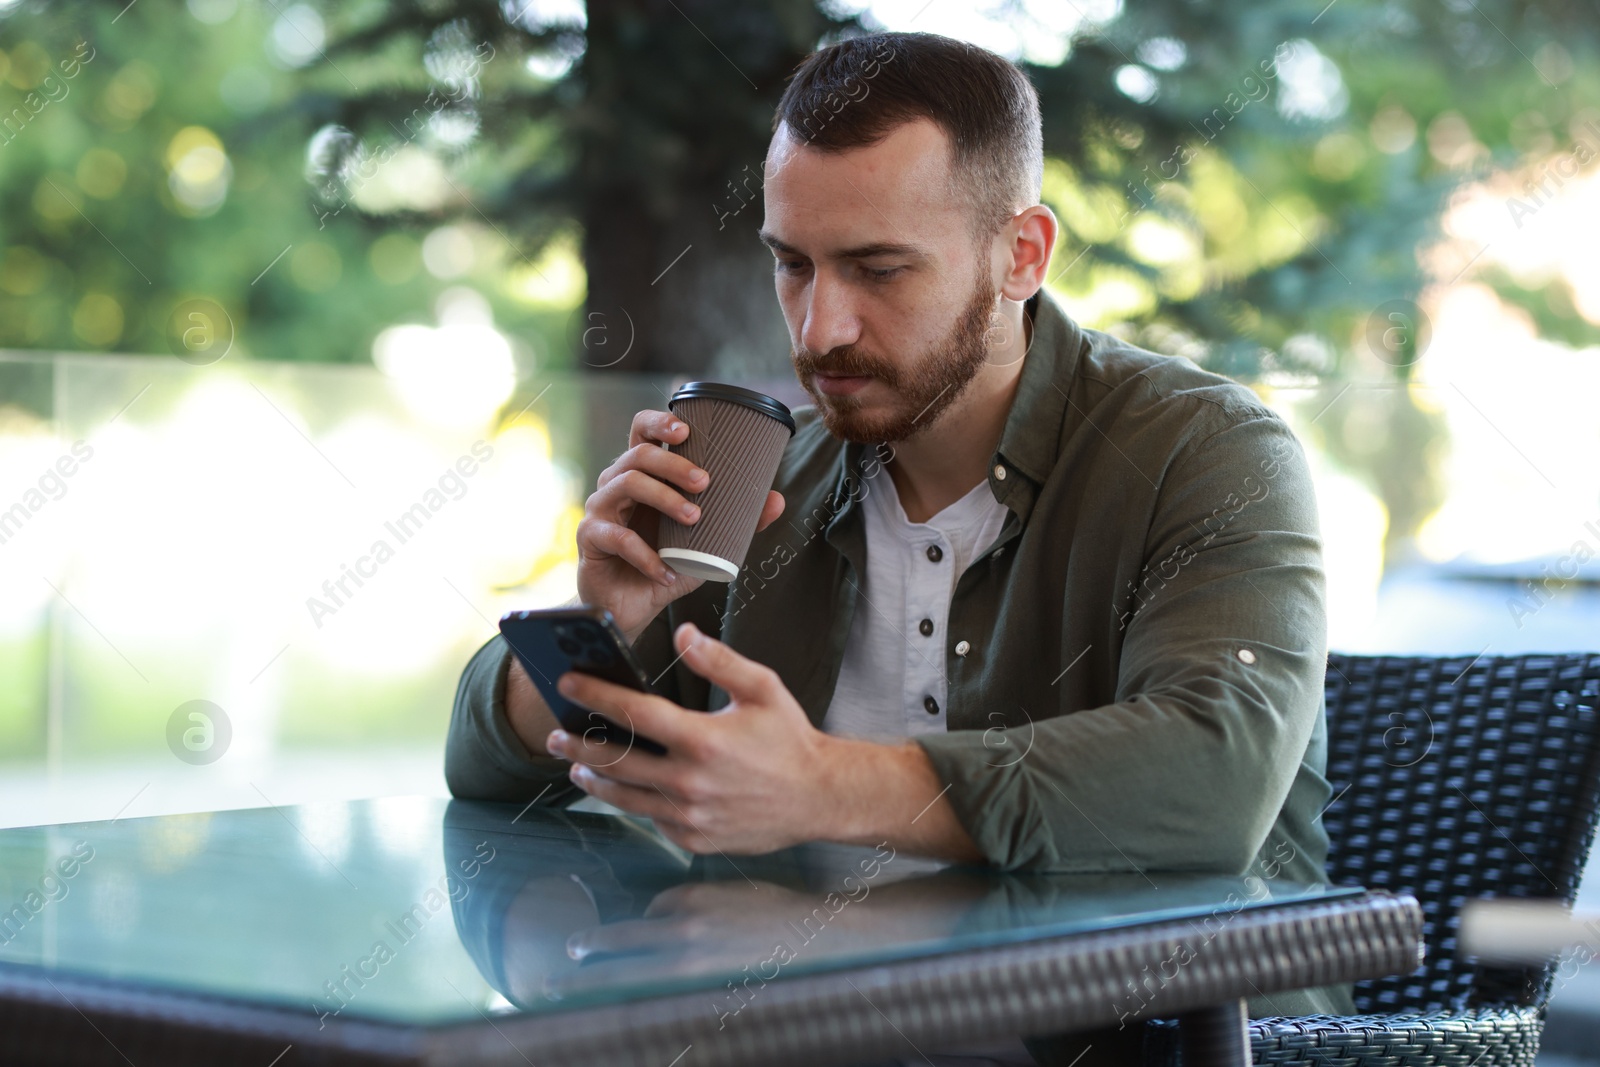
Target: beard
(924,390)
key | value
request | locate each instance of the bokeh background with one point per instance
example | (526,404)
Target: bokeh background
(317,320)
(284,282)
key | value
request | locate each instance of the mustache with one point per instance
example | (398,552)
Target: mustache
(848,362)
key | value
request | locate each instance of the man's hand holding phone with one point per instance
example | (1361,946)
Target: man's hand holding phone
(755,776)
(618,566)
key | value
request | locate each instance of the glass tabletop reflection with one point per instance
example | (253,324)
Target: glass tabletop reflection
(425,911)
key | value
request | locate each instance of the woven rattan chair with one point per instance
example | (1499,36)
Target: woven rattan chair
(1452,778)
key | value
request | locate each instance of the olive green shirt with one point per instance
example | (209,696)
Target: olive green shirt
(1135,665)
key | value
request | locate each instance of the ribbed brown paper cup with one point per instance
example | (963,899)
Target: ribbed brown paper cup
(737,436)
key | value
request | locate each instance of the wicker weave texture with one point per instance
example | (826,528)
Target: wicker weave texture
(1453,778)
(1461,778)
(1487,1037)
(1482,1037)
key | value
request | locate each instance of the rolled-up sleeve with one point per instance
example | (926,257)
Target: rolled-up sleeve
(483,757)
(1219,674)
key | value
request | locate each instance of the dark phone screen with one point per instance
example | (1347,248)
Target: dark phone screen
(551,642)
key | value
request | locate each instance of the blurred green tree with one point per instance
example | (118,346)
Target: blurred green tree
(1259,186)
(1244,184)
(166,167)
(1258,178)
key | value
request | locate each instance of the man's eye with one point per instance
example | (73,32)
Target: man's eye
(881,273)
(788,266)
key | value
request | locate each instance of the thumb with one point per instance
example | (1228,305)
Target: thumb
(770,510)
(743,678)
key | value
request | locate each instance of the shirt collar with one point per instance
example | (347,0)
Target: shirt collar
(1031,440)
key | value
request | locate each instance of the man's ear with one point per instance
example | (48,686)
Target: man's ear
(1028,239)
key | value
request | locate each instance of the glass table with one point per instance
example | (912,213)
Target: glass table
(425,931)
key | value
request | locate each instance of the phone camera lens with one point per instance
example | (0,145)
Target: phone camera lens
(568,645)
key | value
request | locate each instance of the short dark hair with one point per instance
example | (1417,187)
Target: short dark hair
(854,93)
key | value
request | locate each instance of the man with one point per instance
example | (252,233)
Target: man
(1025,595)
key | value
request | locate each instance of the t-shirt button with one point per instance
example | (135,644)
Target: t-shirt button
(935,553)
(931,705)
(962,648)
(999,472)
(925,627)
(1247,656)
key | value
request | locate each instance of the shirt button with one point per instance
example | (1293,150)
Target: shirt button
(935,553)
(925,627)
(962,648)
(931,705)
(1247,656)
(999,472)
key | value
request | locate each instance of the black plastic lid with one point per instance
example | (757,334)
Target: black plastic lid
(734,395)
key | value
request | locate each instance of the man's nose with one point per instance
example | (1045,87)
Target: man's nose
(831,320)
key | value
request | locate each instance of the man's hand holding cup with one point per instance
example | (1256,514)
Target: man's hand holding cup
(668,472)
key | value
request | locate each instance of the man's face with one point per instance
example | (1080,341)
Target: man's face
(887,297)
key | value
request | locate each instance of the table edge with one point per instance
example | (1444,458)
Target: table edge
(968,995)
(976,995)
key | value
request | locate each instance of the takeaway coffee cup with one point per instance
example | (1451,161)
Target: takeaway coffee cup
(737,436)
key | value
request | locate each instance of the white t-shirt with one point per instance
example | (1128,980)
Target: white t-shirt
(892,683)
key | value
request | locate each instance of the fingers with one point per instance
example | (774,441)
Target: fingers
(597,752)
(650,431)
(644,713)
(771,510)
(686,836)
(744,679)
(596,740)
(660,463)
(665,469)
(661,427)
(598,538)
(669,816)
(615,499)
(634,799)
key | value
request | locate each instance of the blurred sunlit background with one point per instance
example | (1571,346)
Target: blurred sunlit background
(263,306)
(316,321)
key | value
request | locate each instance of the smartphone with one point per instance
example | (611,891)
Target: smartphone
(553,641)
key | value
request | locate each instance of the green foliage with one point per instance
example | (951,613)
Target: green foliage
(104,235)
(1302,223)
(1201,208)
